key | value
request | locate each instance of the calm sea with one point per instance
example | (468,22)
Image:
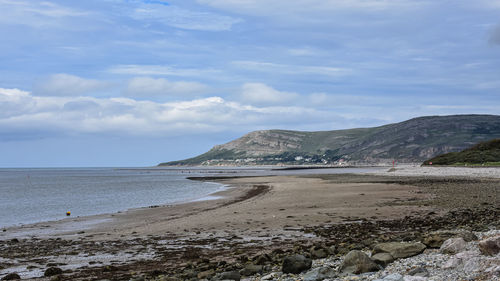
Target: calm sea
(36,195)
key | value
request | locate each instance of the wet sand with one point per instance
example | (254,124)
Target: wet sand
(251,205)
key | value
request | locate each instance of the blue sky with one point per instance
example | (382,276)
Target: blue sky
(135,83)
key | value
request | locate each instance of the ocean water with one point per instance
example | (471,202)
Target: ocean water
(37,195)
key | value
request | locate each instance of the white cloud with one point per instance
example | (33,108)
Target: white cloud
(292,69)
(23,115)
(305,7)
(261,94)
(148,87)
(159,70)
(23,112)
(68,85)
(36,13)
(182,18)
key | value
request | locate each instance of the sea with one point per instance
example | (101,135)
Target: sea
(31,195)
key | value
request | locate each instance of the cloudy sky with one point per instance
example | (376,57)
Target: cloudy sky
(138,82)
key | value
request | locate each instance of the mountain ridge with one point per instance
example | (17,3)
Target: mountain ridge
(414,140)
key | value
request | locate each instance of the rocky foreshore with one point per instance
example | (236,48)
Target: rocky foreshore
(457,239)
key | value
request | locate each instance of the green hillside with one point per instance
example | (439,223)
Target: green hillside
(484,153)
(414,141)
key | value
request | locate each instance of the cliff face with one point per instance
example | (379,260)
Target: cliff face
(414,140)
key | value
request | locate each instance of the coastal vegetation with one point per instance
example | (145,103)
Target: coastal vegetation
(482,154)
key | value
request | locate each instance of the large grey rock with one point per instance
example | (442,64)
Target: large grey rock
(400,250)
(458,260)
(490,246)
(383,259)
(436,238)
(356,262)
(296,264)
(453,246)
(320,273)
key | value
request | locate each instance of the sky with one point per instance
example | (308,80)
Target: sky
(127,83)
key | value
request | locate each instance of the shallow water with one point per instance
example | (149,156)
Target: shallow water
(34,195)
(37,195)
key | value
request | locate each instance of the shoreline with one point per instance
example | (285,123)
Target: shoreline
(256,215)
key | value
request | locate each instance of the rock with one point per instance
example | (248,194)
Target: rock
(165,278)
(392,277)
(356,262)
(382,258)
(51,271)
(109,268)
(271,276)
(419,271)
(332,250)
(435,239)
(262,259)
(11,276)
(400,250)
(490,246)
(454,262)
(493,270)
(453,246)
(320,273)
(251,269)
(59,278)
(205,274)
(472,264)
(230,275)
(458,260)
(296,264)
(189,274)
(414,278)
(319,252)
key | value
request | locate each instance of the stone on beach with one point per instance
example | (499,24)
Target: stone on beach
(319,252)
(391,277)
(11,276)
(419,271)
(400,250)
(51,271)
(383,259)
(230,275)
(251,269)
(356,262)
(296,264)
(320,273)
(436,238)
(453,246)
(490,246)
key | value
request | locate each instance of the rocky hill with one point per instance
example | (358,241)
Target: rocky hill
(485,153)
(410,141)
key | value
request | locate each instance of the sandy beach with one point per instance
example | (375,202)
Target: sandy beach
(255,215)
